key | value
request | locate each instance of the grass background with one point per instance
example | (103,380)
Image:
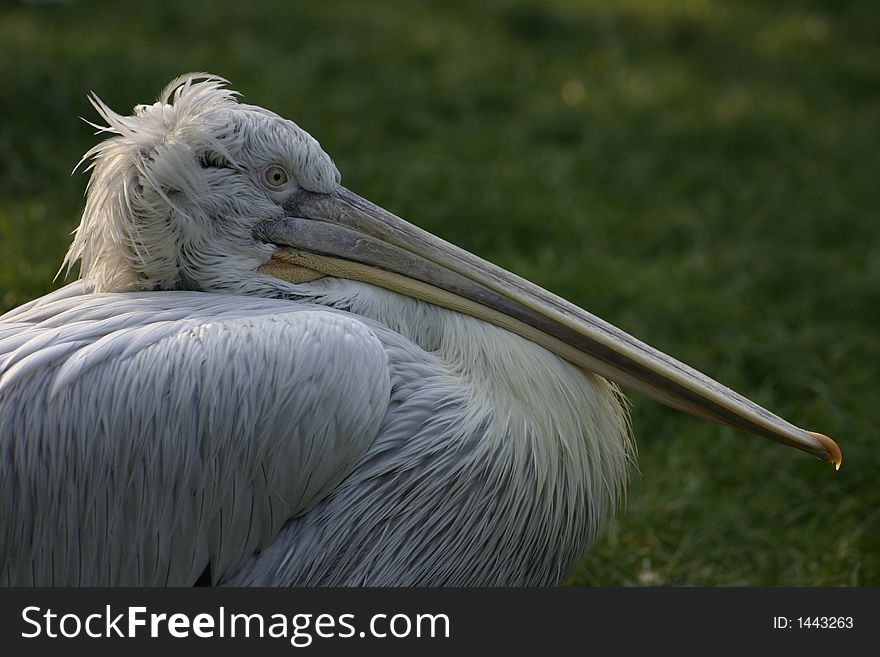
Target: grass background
(703,174)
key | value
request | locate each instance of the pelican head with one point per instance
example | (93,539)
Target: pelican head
(200,192)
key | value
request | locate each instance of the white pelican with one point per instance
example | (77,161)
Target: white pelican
(263,379)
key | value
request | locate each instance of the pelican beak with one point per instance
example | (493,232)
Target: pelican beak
(345,236)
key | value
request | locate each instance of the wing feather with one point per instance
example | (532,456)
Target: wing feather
(149,435)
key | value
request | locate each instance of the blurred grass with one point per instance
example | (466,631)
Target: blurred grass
(703,174)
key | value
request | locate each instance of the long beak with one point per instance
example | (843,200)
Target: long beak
(345,236)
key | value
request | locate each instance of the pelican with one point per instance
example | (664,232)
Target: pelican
(261,378)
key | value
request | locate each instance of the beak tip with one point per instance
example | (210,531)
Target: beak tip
(832,452)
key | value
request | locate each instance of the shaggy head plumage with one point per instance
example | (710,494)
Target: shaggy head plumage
(174,195)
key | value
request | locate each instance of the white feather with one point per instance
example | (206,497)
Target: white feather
(176,410)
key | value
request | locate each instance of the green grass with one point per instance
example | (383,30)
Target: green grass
(703,174)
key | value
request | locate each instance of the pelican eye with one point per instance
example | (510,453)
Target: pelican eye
(275,177)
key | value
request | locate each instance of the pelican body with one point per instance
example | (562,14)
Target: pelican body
(263,379)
